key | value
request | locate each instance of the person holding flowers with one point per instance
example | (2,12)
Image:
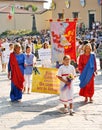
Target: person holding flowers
(66,74)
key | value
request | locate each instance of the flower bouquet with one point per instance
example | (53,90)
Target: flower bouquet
(69,78)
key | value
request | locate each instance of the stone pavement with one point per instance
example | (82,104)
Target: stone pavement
(39,111)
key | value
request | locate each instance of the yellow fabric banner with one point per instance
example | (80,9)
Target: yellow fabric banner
(44,80)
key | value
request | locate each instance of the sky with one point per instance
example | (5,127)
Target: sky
(47,5)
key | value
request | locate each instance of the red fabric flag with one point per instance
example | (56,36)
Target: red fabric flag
(70,34)
(63,39)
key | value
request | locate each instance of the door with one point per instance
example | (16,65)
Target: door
(91,20)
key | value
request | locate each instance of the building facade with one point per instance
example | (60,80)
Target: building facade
(87,11)
(23,19)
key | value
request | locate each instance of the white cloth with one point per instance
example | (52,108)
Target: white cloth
(6,45)
(8,55)
(27,82)
(4,57)
(45,57)
(6,52)
(66,95)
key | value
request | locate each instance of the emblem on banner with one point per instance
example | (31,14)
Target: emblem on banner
(82,2)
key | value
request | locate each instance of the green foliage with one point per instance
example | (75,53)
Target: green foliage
(18,33)
(34,8)
(5,33)
(34,33)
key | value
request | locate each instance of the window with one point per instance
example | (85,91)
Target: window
(75,14)
(60,15)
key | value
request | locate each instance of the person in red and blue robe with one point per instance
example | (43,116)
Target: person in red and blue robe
(87,67)
(16,73)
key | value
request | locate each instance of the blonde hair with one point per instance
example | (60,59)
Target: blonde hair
(89,45)
(16,45)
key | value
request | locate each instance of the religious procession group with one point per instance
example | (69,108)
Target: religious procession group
(28,47)
(20,57)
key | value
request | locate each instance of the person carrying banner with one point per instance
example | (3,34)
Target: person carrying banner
(16,72)
(87,68)
(66,74)
(45,55)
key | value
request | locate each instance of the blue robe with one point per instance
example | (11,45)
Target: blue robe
(15,93)
(88,71)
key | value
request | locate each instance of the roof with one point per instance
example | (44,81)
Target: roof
(42,11)
(7,9)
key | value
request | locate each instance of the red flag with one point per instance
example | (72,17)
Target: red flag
(70,34)
(63,39)
(9,16)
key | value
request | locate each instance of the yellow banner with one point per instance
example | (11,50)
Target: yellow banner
(44,80)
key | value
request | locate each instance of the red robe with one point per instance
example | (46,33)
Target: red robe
(88,90)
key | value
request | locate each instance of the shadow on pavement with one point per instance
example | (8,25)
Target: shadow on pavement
(41,118)
(79,104)
(33,105)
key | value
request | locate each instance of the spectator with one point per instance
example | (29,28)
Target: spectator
(45,55)
(99,52)
(29,43)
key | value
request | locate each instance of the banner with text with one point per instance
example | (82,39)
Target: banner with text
(45,81)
